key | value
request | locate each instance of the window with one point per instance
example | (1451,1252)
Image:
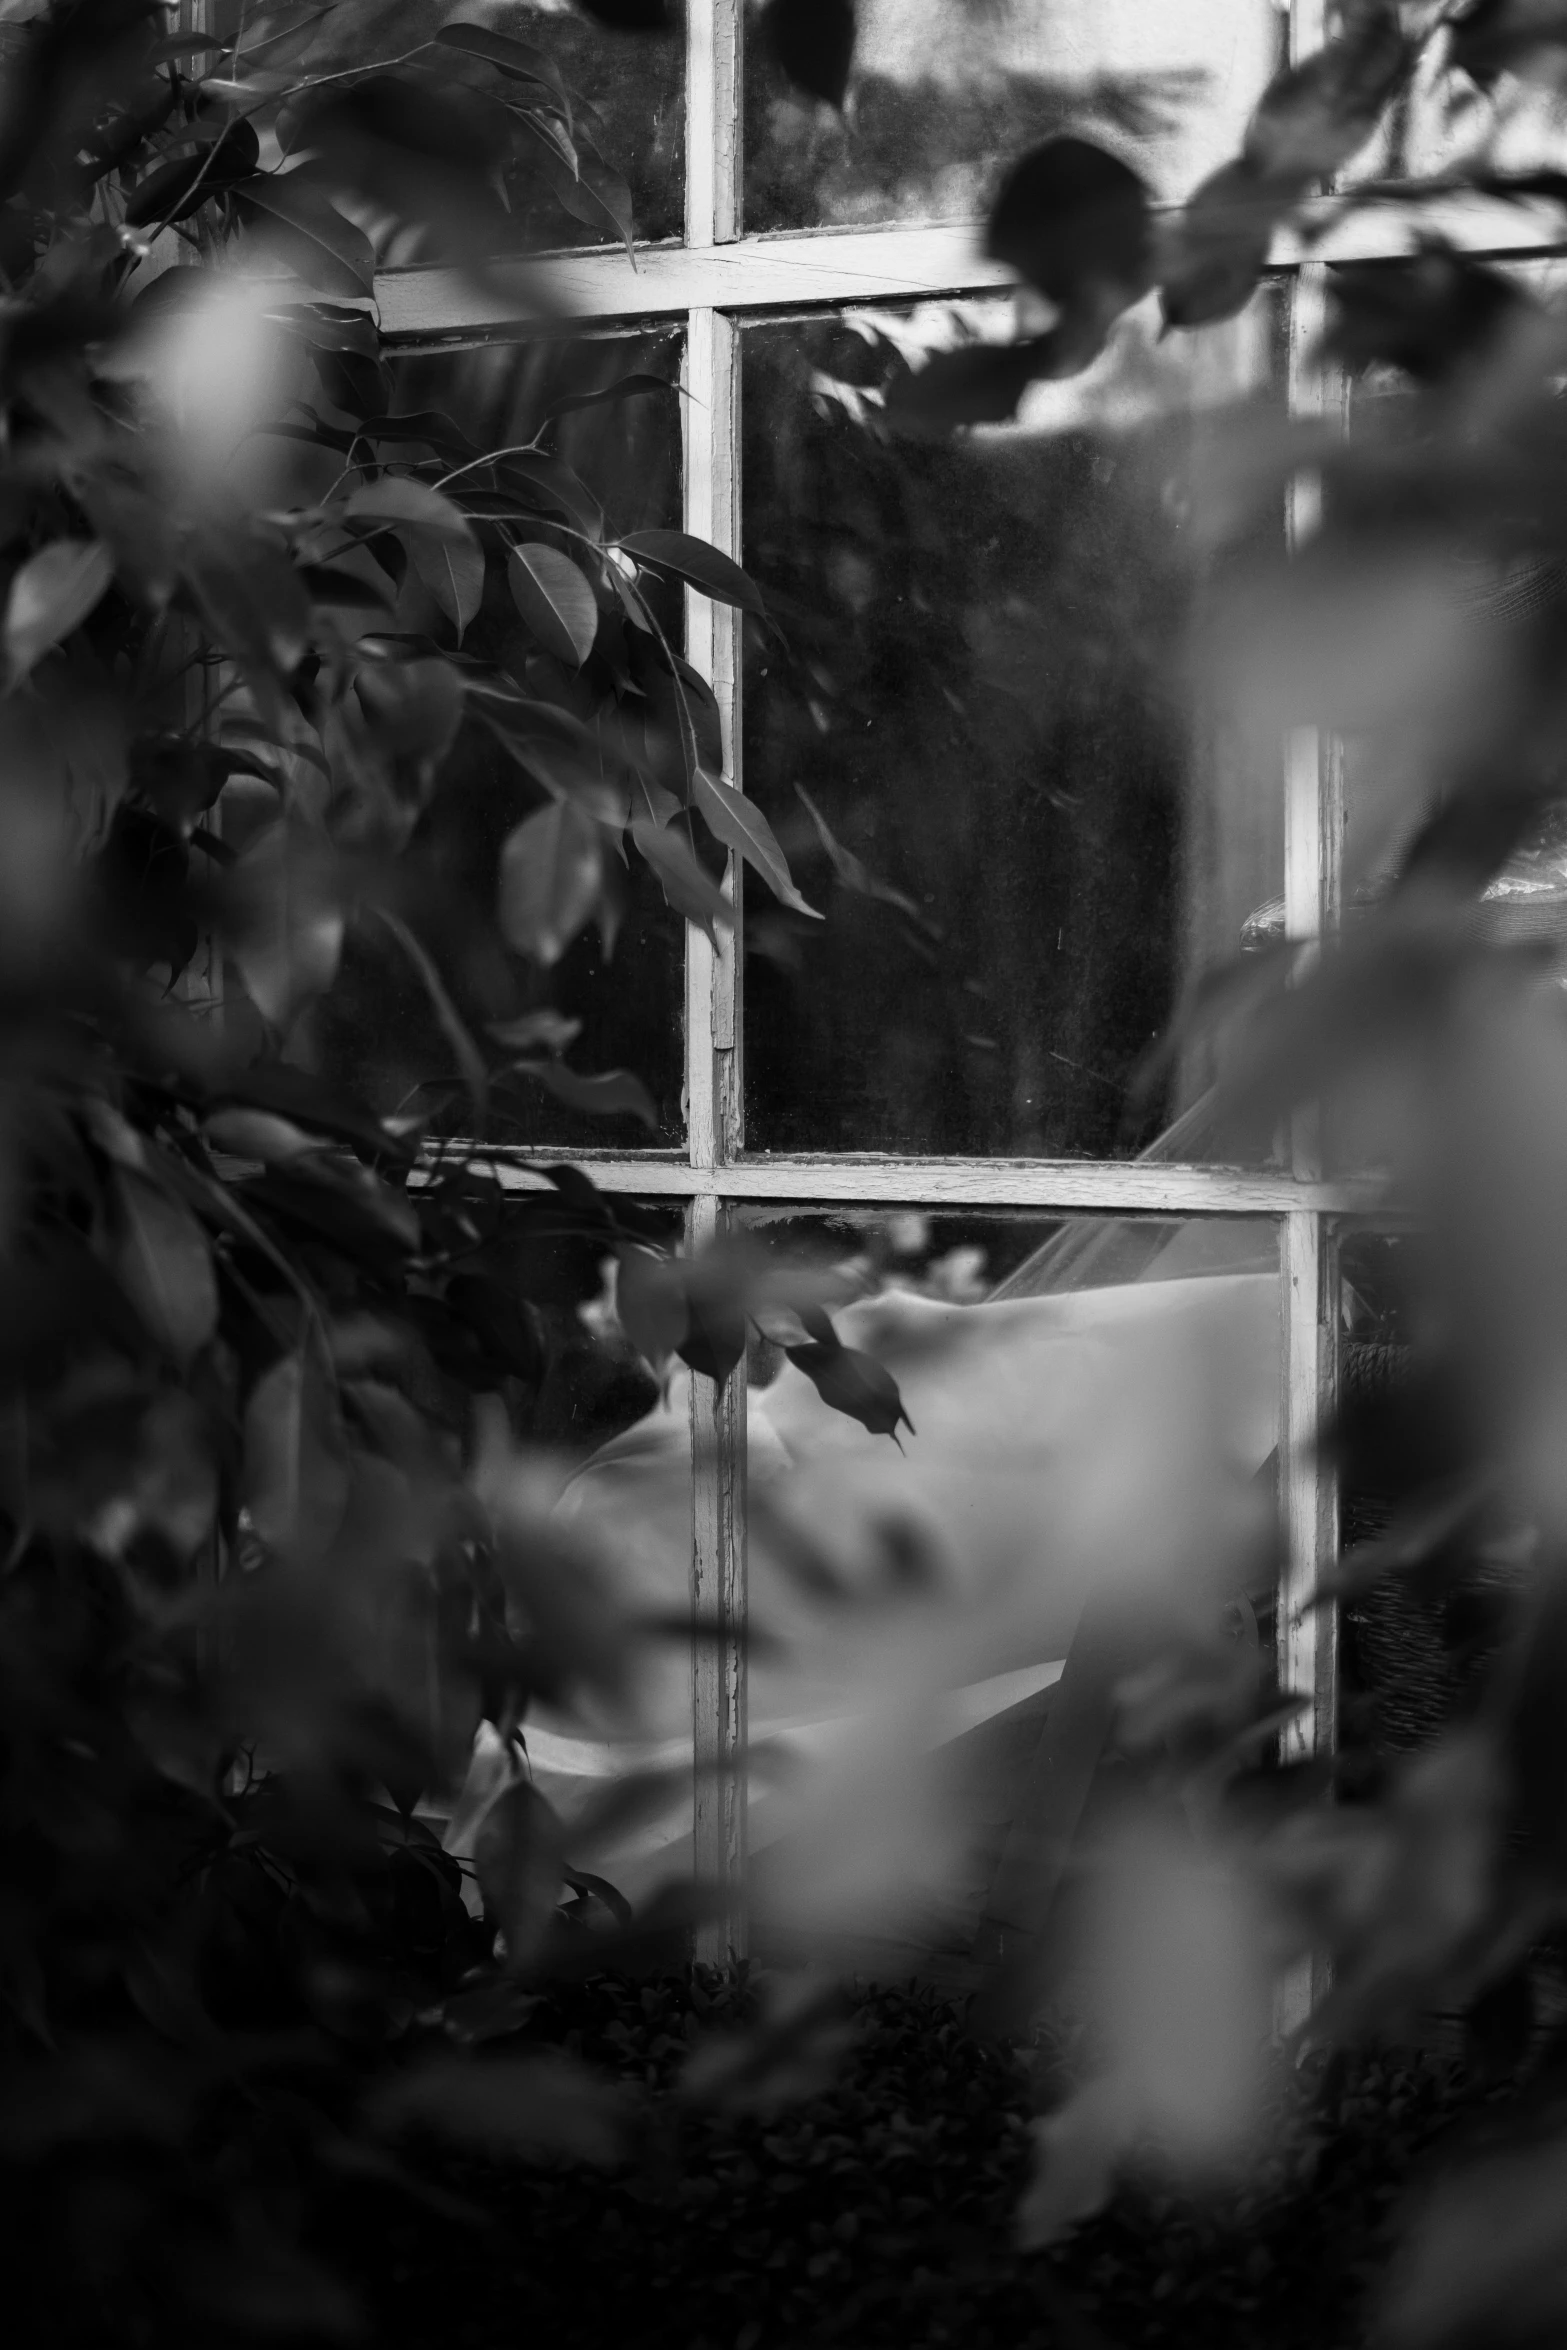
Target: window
(798,246)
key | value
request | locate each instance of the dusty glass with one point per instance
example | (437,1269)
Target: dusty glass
(985,739)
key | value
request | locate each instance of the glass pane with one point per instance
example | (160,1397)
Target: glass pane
(379,1032)
(1404,1666)
(1445,121)
(1040,1361)
(633,86)
(987,751)
(946,91)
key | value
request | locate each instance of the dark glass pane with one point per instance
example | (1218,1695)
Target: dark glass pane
(984,750)
(634,85)
(945,92)
(379,1030)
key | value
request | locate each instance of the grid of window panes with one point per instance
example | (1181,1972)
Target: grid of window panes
(974,729)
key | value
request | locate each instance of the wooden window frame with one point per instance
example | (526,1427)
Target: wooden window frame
(712,281)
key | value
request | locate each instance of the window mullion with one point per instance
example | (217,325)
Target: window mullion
(713,1025)
(1307,1633)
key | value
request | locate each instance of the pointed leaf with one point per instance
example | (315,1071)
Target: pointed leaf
(1314,116)
(310,234)
(438,536)
(699,565)
(164,1265)
(518,1858)
(854,1384)
(555,600)
(551,873)
(615,1094)
(51,594)
(741,826)
(690,890)
(813,41)
(1074,221)
(650,1299)
(625,387)
(518,58)
(295,1478)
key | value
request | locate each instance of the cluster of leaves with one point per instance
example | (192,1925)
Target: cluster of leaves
(879,2207)
(1079,227)
(274,1548)
(1420,617)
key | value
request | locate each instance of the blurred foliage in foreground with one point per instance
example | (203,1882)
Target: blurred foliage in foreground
(276,1531)
(269,1565)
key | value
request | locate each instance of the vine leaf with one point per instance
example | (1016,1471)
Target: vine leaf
(741,826)
(551,873)
(1075,222)
(310,234)
(555,601)
(853,1383)
(164,1266)
(438,536)
(617,1093)
(650,1299)
(295,1478)
(690,890)
(52,593)
(699,565)
(813,42)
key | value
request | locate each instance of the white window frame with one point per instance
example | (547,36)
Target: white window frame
(715,279)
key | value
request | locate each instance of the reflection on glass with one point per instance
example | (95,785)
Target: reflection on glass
(980,744)
(945,92)
(1073,1387)
(1446,122)
(632,123)
(621,995)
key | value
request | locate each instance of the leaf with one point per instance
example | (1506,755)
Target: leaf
(164,1264)
(617,1093)
(699,565)
(511,56)
(1075,222)
(550,875)
(741,826)
(625,387)
(438,536)
(555,601)
(1510,36)
(691,891)
(518,1858)
(1314,116)
(980,384)
(542,2108)
(1075,2155)
(310,234)
(180,187)
(650,1299)
(1217,248)
(295,1476)
(531,1031)
(854,1384)
(714,1338)
(50,596)
(813,42)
